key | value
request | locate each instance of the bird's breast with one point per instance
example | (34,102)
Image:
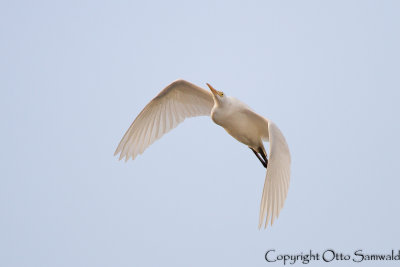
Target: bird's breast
(238,125)
(218,117)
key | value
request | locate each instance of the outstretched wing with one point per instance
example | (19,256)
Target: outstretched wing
(178,101)
(276,183)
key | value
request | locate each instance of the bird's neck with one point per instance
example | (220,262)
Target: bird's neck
(221,111)
(222,104)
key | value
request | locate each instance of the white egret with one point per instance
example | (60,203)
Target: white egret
(181,100)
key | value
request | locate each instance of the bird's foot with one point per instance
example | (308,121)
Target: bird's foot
(264,160)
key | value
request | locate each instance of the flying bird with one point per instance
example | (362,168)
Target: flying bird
(181,100)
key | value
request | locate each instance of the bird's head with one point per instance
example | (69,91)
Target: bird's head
(219,97)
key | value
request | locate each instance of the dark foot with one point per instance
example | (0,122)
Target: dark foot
(264,156)
(264,161)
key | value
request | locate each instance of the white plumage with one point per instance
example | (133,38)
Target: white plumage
(181,100)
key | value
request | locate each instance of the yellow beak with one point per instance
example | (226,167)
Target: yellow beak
(215,92)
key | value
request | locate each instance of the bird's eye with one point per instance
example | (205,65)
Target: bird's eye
(222,94)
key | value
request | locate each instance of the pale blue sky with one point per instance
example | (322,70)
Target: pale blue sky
(74,74)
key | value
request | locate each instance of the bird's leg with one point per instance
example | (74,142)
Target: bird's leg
(264,157)
(259,158)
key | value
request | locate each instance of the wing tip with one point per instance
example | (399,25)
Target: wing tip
(125,157)
(266,222)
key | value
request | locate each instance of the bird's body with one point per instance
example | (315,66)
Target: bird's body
(181,100)
(241,122)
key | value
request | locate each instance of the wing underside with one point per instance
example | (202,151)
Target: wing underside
(277,179)
(178,101)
